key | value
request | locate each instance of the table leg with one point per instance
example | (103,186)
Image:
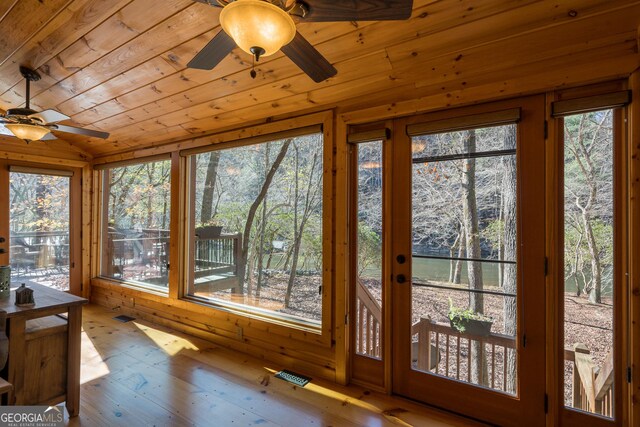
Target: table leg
(16,359)
(74,330)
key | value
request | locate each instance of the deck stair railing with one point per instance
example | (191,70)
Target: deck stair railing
(368,324)
(592,389)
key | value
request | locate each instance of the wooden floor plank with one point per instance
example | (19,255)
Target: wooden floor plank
(138,373)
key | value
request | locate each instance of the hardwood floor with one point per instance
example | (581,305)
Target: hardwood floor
(138,374)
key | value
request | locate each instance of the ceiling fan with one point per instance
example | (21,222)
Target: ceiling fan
(262,27)
(30,125)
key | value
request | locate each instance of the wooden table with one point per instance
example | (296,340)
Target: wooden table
(41,341)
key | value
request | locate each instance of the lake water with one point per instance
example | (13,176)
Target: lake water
(437,270)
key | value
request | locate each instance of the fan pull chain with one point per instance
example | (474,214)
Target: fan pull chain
(253,73)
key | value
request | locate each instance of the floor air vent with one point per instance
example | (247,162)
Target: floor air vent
(292,377)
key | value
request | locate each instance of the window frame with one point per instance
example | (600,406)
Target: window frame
(615,97)
(101,171)
(321,123)
(365,370)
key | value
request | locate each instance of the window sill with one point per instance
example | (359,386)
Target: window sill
(292,322)
(143,287)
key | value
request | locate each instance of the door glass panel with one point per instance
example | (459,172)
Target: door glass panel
(39,229)
(464,271)
(369,260)
(588,262)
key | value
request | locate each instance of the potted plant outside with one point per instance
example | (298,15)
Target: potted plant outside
(467,321)
(209,230)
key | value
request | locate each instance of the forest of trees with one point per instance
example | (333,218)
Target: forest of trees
(589,204)
(270,193)
(39,228)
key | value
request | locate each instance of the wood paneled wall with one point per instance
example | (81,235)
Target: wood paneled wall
(291,350)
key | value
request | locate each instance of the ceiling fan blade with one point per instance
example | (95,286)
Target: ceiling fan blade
(80,131)
(5,131)
(209,2)
(213,52)
(48,137)
(308,59)
(358,10)
(50,116)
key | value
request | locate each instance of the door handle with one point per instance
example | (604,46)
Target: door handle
(400,278)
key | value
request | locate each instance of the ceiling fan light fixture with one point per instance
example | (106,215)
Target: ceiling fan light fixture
(257,25)
(26,131)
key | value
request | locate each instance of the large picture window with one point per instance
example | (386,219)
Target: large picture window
(255,233)
(135,223)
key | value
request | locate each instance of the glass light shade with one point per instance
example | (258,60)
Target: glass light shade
(257,23)
(26,131)
(417,146)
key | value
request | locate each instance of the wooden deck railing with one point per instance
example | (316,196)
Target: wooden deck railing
(592,389)
(33,251)
(368,324)
(218,255)
(443,350)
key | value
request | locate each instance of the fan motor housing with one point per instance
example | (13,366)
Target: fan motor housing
(20,112)
(29,74)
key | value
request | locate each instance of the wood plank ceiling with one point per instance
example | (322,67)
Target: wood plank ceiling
(119,65)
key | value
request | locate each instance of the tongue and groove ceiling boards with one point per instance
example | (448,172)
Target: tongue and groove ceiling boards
(119,66)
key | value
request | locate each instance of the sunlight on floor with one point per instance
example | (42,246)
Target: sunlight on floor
(93,366)
(349,400)
(168,342)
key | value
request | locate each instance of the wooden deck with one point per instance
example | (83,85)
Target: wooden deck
(137,373)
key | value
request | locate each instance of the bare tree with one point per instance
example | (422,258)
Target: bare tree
(207,211)
(309,204)
(582,140)
(246,237)
(474,268)
(509,249)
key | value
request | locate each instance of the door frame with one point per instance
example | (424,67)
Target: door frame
(486,405)
(75,216)
(367,371)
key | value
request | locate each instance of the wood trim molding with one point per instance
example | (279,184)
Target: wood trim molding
(465,122)
(220,137)
(86,237)
(37,170)
(554,163)
(129,162)
(590,103)
(41,159)
(290,133)
(368,136)
(634,249)
(341,255)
